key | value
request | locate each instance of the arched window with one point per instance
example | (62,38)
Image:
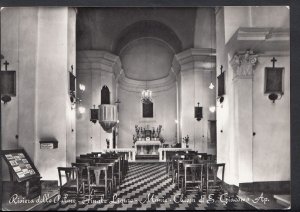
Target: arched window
(105,99)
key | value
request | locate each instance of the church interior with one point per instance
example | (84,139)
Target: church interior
(116,108)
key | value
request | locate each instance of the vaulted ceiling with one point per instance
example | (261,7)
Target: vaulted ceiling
(145,39)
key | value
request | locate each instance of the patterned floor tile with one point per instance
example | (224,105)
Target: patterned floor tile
(147,187)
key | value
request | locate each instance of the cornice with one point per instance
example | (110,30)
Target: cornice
(197,59)
(93,60)
(261,40)
(154,85)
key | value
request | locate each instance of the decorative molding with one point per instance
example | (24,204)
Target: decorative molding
(131,85)
(243,64)
(262,40)
(92,60)
(197,59)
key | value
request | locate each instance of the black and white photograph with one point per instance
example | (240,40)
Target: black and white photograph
(145,108)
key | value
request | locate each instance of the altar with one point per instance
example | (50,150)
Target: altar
(147,147)
(147,142)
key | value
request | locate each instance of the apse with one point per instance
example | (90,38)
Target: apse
(146,59)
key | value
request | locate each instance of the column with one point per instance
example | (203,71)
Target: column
(52,99)
(243,66)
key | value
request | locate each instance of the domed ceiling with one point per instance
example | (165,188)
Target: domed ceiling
(146,59)
(145,39)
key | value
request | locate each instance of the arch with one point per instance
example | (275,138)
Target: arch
(147,28)
(105,95)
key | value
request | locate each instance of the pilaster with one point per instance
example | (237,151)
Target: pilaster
(243,66)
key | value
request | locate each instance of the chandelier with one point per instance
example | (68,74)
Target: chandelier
(146,96)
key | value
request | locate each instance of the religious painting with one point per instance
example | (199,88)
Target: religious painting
(148,110)
(274,80)
(8,83)
(221,84)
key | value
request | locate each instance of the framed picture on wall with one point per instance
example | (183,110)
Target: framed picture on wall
(274,80)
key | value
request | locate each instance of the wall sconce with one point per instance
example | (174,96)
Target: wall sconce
(81,87)
(72,91)
(198,112)
(8,84)
(212,109)
(81,109)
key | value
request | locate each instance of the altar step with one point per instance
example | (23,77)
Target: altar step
(147,157)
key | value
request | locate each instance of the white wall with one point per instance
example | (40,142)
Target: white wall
(41,108)
(52,90)
(130,114)
(94,70)
(17,42)
(271,122)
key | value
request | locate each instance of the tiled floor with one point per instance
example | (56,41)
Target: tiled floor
(150,180)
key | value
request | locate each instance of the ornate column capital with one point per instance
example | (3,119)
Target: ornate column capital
(244,64)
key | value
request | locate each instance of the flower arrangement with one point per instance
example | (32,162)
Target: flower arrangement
(186,140)
(162,140)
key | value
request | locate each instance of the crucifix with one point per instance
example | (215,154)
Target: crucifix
(273,61)
(6,64)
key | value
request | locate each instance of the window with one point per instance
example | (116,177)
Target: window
(148,110)
(105,99)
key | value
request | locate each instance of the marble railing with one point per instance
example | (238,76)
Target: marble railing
(163,152)
(129,152)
